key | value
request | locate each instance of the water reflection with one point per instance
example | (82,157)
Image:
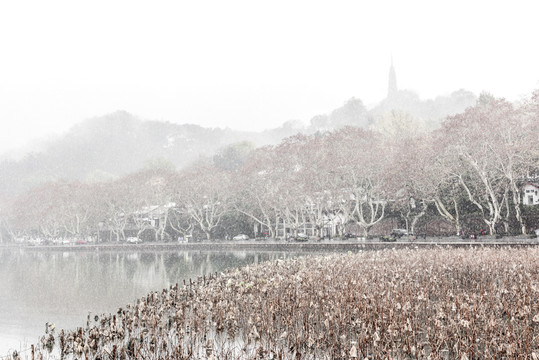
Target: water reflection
(63,287)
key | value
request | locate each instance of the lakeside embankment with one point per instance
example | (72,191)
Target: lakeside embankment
(444,303)
(337,245)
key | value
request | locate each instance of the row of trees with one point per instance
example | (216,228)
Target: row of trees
(473,165)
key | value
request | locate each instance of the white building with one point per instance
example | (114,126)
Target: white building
(530,194)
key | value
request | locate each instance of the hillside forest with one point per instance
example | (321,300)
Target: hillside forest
(465,174)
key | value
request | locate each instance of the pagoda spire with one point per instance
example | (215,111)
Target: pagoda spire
(392,86)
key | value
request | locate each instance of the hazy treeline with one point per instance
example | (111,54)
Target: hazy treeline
(473,165)
(107,147)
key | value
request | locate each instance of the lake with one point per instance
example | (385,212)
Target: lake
(63,288)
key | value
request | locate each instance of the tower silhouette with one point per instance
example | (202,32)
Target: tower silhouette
(392,86)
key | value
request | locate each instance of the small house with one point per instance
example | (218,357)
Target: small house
(530,194)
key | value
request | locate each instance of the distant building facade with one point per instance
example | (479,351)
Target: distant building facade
(530,194)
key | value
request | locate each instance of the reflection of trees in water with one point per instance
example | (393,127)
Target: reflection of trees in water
(184,264)
(72,281)
(63,287)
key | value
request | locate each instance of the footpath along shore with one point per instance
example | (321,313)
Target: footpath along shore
(275,244)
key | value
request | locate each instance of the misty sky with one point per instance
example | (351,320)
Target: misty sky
(248,64)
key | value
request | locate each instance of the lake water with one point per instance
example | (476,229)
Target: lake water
(64,287)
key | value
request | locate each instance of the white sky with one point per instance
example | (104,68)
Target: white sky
(249,64)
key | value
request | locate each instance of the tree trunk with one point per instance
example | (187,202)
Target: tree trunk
(418,216)
(518,212)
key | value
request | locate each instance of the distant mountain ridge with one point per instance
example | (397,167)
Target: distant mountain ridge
(119,143)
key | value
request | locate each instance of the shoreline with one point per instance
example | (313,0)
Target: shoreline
(269,245)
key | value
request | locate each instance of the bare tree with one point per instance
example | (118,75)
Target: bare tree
(206,197)
(359,167)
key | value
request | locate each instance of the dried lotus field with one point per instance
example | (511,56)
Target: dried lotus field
(444,303)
